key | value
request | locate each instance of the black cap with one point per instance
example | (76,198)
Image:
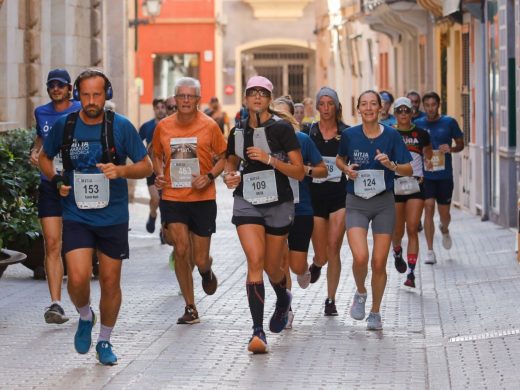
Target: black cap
(59,75)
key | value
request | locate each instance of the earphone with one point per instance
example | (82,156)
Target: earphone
(90,73)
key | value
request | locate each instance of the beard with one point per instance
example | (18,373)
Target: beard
(93,111)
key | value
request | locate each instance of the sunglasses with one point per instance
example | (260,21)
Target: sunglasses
(171,108)
(258,92)
(403,111)
(54,84)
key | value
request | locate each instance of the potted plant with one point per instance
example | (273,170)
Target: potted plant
(19,226)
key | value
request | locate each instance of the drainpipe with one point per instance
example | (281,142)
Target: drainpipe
(486,182)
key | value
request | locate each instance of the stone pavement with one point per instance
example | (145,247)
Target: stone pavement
(460,329)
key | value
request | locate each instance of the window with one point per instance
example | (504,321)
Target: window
(168,68)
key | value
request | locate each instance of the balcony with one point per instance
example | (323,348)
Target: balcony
(278,9)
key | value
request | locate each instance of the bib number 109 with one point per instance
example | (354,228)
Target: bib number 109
(259,185)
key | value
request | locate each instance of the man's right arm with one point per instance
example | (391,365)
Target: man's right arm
(35,150)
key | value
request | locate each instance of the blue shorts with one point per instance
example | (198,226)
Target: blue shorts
(109,240)
(49,201)
(440,190)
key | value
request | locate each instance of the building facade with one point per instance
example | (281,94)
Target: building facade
(37,36)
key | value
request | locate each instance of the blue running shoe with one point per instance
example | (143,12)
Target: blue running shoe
(83,336)
(280,315)
(104,353)
(257,342)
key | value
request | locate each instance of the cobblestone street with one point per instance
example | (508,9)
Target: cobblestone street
(459,329)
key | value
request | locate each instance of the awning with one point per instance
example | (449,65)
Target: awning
(450,6)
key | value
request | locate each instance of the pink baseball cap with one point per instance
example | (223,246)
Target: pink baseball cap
(261,82)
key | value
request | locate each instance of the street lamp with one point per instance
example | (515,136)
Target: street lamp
(152,9)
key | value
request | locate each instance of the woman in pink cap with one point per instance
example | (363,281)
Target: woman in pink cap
(263,208)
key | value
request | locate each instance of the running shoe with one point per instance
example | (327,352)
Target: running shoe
(161,237)
(330,308)
(304,280)
(104,353)
(374,321)
(171,261)
(430,258)
(150,224)
(400,264)
(55,314)
(258,342)
(280,315)
(315,272)
(446,238)
(191,316)
(410,280)
(357,310)
(420,227)
(209,282)
(290,318)
(83,336)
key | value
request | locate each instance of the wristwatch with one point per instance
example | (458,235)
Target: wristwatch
(211,176)
(309,172)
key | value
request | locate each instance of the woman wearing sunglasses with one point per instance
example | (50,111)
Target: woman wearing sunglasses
(371,154)
(263,208)
(409,191)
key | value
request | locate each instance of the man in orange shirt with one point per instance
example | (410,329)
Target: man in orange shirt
(185,146)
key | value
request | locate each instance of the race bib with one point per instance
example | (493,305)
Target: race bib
(406,185)
(369,183)
(334,174)
(260,187)
(91,190)
(183,161)
(438,161)
(295,187)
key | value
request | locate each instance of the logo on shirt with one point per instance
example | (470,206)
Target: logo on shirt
(79,149)
(360,157)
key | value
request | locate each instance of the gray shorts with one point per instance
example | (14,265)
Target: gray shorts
(380,210)
(277,219)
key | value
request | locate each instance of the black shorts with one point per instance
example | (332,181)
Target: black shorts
(150,180)
(300,233)
(324,206)
(49,202)
(199,216)
(440,190)
(417,195)
(110,240)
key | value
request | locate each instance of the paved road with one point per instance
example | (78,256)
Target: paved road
(460,329)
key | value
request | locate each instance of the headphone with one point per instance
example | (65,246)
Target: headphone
(88,74)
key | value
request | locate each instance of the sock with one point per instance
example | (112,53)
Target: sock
(85,313)
(280,289)
(56,302)
(412,260)
(104,333)
(397,249)
(255,297)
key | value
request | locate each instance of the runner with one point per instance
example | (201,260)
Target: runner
(295,256)
(146,134)
(328,197)
(95,146)
(50,211)
(184,145)
(415,98)
(371,154)
(438,182)
(263,208)
(384,116)
(409,191)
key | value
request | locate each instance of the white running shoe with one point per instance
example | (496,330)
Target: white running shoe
(430,258)
(446,238)
(304,280)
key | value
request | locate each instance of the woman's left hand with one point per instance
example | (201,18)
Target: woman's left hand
(257,154)
(383,159)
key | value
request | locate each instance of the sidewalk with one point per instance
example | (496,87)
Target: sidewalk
(460,329)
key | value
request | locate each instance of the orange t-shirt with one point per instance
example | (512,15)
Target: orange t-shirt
(209,142)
